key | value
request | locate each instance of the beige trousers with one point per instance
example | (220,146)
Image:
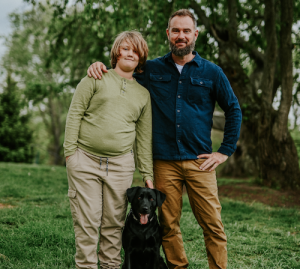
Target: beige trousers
(97,193)
(169,177)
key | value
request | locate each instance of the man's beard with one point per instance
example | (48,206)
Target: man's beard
(184,51)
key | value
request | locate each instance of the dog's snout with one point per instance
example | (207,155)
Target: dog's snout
(145,208)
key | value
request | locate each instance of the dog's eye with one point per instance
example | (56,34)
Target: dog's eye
(139,198)
(151,199)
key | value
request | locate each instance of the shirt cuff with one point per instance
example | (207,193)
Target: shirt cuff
(225,151)
(148,178)
(69,153)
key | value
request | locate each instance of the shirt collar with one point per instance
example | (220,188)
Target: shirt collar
(196,59)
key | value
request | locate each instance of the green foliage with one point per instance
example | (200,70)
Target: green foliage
(38,231)
(44,82)
(84,33)
(54,43)
(15,134)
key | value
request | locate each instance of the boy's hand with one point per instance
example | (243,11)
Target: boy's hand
(95,70)
(149,184)
(67,158)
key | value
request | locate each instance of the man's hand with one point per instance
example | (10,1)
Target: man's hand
(95,70)
(149,184)
(213,160)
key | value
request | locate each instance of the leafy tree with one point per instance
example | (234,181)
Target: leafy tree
(251,40)
(43,83)
(15,134)
(265,138)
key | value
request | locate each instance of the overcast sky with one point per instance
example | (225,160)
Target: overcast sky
(6,7)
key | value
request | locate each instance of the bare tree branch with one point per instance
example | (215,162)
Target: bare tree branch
(286,65)
(232,29)
(201,14)
(270,54)
(253,52)
(205,20)
(220,33)
(43,114)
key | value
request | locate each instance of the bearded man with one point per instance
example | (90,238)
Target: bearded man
(184,88)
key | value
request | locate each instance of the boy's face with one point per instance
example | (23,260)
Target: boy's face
(128,59)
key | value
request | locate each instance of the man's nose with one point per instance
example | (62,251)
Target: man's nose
(181,35)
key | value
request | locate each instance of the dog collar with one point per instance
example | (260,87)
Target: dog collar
(134,217)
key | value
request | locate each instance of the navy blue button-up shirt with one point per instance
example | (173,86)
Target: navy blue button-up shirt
(183,106)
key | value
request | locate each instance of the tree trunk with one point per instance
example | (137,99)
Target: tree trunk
(52,120)
(244,162)
(279,166)
(55,129)
(278,154)
(265,148)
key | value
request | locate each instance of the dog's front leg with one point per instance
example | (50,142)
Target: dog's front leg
(127,261)
(156,262)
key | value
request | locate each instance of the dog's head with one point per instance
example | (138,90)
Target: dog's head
(144,202)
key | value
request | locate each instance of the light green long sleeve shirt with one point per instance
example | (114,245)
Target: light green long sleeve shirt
(106,116)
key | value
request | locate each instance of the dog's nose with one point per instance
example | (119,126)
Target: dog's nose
(145,208)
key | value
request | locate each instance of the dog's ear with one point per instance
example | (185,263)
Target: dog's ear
(131,193)
(160,197)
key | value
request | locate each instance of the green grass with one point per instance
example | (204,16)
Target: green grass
(38,231)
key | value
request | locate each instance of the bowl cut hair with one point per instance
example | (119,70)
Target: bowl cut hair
(137,41)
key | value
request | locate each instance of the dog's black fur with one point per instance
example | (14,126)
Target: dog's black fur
(141,242)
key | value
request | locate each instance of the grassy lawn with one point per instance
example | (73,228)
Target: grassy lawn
(37,232)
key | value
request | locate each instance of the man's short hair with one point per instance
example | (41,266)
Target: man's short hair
(182,13)
(137,41)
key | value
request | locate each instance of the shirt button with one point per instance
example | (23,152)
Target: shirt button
(178,96)
(201,82)
(178,110)
(160,78)
(179,141)
(178,126)
(180,82)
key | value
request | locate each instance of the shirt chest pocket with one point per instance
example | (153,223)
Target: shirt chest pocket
(199,90)
(160,85)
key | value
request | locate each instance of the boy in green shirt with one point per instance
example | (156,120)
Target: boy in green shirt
(105,118)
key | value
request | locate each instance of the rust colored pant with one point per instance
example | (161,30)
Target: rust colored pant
(202,190)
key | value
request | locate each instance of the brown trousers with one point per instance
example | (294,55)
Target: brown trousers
(169,177)
(97,193)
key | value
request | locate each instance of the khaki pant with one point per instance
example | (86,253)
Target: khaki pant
(97,192)
(169,177)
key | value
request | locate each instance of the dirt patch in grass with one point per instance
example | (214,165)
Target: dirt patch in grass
(5,206)
(245,190)
(246,193)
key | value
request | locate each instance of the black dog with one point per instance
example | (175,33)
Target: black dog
(142,236)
